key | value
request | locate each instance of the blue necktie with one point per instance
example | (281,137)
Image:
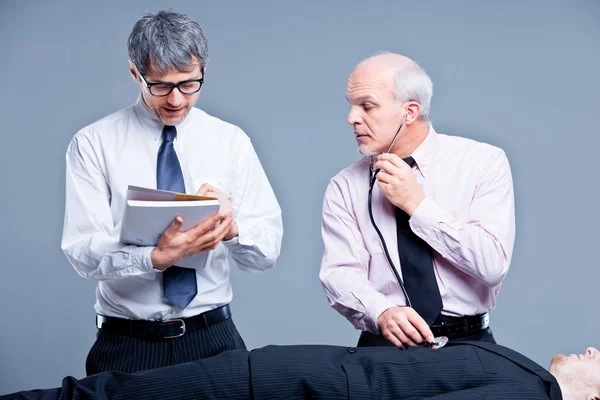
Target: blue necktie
(179,283)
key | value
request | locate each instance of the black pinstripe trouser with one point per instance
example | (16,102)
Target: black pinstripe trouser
(131,354)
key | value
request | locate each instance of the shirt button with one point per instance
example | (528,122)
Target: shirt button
(351,350)
(403,348)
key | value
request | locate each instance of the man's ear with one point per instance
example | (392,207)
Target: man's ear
(133,72)
(413,109)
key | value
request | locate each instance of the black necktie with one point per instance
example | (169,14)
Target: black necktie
(179,283)
(417,268)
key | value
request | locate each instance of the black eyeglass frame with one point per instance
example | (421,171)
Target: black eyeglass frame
(174,85)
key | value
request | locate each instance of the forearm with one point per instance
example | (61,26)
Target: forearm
(257,245)
(257,214)
(468,243)
(344,267)
(351,294)
(100,257)
(90,231)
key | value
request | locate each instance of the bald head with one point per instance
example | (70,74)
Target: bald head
(402,76)
(385,92)
(386,63)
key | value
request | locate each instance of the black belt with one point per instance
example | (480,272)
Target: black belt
(167,329)
(457,326)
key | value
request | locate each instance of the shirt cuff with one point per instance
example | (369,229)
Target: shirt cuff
(376,308)
(145,261)
(426,218)
(231,242)
(241,239)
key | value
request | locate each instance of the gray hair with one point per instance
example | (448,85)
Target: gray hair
(413,84)
(166,41)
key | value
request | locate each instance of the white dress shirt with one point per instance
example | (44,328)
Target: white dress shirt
(467,217)
(120,150)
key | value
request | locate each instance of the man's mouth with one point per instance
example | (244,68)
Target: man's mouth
(173,110)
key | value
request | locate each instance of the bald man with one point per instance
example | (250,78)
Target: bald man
(418,234)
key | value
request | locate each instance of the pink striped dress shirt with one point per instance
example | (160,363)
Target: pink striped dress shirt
(467,217)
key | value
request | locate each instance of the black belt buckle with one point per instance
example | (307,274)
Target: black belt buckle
(168,321)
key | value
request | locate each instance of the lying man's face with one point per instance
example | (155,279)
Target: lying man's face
(579,370)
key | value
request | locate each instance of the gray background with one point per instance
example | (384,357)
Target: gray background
(522,75)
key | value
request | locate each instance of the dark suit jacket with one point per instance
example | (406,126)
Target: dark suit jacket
(466,370)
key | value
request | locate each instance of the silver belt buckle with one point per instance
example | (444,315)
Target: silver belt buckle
(99,321)
(182,327)
(486,321)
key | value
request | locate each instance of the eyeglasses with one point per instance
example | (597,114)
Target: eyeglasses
(162,89)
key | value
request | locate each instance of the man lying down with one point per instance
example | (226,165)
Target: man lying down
(460,370)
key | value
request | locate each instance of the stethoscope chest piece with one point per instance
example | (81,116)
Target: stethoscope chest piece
(438,342)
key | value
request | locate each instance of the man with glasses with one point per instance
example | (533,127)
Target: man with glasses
(152,312)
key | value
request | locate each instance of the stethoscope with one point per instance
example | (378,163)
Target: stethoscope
(440,341)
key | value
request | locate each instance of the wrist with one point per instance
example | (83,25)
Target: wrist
(234,231)
(414,204)
(158,259)
(381,318)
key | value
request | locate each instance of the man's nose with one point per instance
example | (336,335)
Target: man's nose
(175,97)
(591,353)
(354,116)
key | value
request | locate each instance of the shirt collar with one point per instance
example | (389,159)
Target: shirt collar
(152,125)
(423,155)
